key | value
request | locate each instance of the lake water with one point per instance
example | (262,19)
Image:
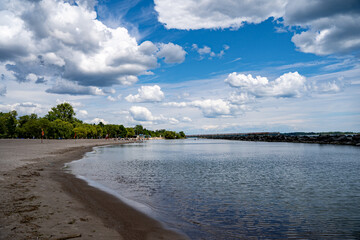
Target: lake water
(218,189)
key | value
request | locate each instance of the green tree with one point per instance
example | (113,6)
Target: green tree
(91,130)
(23,119)
(122,131)
(130,132)
(100,131)
(63,111)
(170,135)
(80,132)
(111,130)
(10,124)
(182,134)
(139,129)
(2,125)
(60,129)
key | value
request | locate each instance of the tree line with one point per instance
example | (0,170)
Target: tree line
(60,122)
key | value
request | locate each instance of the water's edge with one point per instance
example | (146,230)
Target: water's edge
(115,210)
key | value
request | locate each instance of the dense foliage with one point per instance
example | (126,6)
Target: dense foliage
(60,122)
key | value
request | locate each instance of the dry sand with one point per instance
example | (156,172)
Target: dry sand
(41,201)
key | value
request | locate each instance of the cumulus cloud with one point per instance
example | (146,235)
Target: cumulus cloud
(114,99)
(242,98)
(329,26)
(172,53)
(111,99)
(194,14)
(71,88)
(206,51)
(25,108)
(98,120)
(329,87)
(68,40)
(210,108)
(142,114)
(34,78)
(74,104)
(322,26)
(213,108)
(290,84)
(147,94)
(110,91)
(176,104)
(82,113)
(186,119)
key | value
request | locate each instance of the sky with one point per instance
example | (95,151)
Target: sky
(198,66)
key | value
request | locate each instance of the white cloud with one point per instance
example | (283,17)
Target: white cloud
(71,88)
(242,98)
(82,113)
(329,87)
(142,114)
(147,94)
(176,104)
(322,26)
(241,80)
(35,78)
(186,119)
(114,99)
(148,48)
(328,26)
(290,84)
(52,58)
(172,53)
(197,14)
(210,107)
(206,51)
(68,40)
(98,120)
(213,108)
(111,99)
(110,91)
(31,77)
(25,108)
(74,104)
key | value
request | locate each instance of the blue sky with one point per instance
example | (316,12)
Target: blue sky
(198,66)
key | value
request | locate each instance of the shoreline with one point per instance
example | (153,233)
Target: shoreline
(349,140)
(43,201)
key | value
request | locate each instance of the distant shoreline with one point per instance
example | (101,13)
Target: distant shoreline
(42,201)
(343,139)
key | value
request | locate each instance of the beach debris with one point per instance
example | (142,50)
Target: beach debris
(72,221)
(26,219)
(69,237)
(28,208)
(29,174)
(30,198)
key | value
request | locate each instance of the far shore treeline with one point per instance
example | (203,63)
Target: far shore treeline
(60,122)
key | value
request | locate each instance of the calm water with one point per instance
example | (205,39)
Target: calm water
(218,189)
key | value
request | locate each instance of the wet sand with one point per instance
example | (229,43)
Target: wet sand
(39,200)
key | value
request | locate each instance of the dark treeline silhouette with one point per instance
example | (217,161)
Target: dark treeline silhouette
(60,122)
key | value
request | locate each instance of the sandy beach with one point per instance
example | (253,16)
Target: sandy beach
(39,200)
